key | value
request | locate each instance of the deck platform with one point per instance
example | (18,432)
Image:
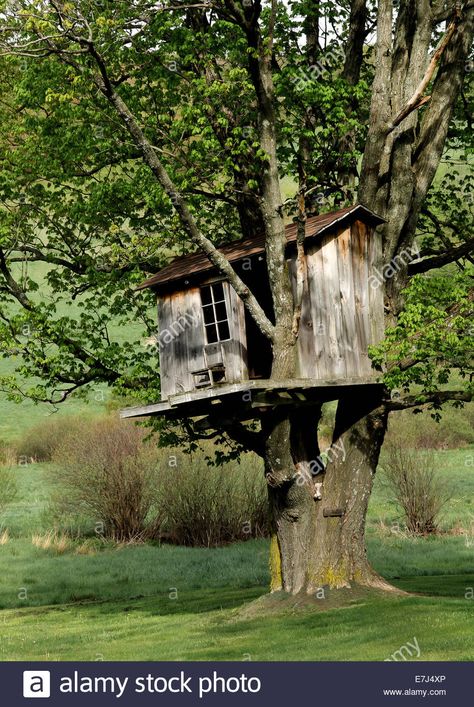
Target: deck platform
(246,400)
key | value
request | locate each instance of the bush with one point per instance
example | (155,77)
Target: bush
(106,472)
(206,506)
(414,485)
(40,443)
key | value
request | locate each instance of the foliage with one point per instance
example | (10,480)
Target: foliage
(77,198)
(433,335)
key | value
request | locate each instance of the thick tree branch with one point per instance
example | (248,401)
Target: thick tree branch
(260,70)
(355,41)
(188,221)
(441,258)
(380,110)
(104,84)
(418,99)
(438,398)
(446,88)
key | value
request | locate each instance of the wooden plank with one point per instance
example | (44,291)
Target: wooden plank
(333,512)
(181,340)
(376,289)
(193,338)
(236,348)
(182,378)
(348,342)
(318,312)
(306,344)
(193,403)
(165,318)
(145,410)
(331,297)
(360,269)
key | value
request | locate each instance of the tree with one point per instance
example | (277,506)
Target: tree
(133,123)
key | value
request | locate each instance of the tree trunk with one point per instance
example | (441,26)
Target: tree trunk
(320,542)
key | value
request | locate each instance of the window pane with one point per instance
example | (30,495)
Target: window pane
(221,312)
(208,313)
(218,292)
(206,297)
(223,331)
(211,334)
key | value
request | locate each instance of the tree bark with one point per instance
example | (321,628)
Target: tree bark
(319,502)
(339,556)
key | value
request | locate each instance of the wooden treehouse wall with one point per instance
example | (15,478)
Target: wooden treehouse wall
(342,315)
(182,352)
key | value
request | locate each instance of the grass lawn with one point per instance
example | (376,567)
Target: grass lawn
(93,601)
(206,624)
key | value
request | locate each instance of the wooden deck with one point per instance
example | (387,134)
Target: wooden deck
(244,400)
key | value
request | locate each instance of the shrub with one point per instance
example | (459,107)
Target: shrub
(106,472)
(41,441)
(109,473)
(414,485)
(207,505)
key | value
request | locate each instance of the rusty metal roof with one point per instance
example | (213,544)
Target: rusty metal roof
(190,265)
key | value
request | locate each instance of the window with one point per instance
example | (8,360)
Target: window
(214,310)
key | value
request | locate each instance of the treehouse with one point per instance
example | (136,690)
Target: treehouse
(213,358)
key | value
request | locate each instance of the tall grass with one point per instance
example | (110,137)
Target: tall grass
(8,487)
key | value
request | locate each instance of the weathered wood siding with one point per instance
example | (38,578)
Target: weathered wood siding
(182,340)
(235,350)
(342,315)
(182,352)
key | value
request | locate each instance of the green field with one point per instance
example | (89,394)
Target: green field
(94,601)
